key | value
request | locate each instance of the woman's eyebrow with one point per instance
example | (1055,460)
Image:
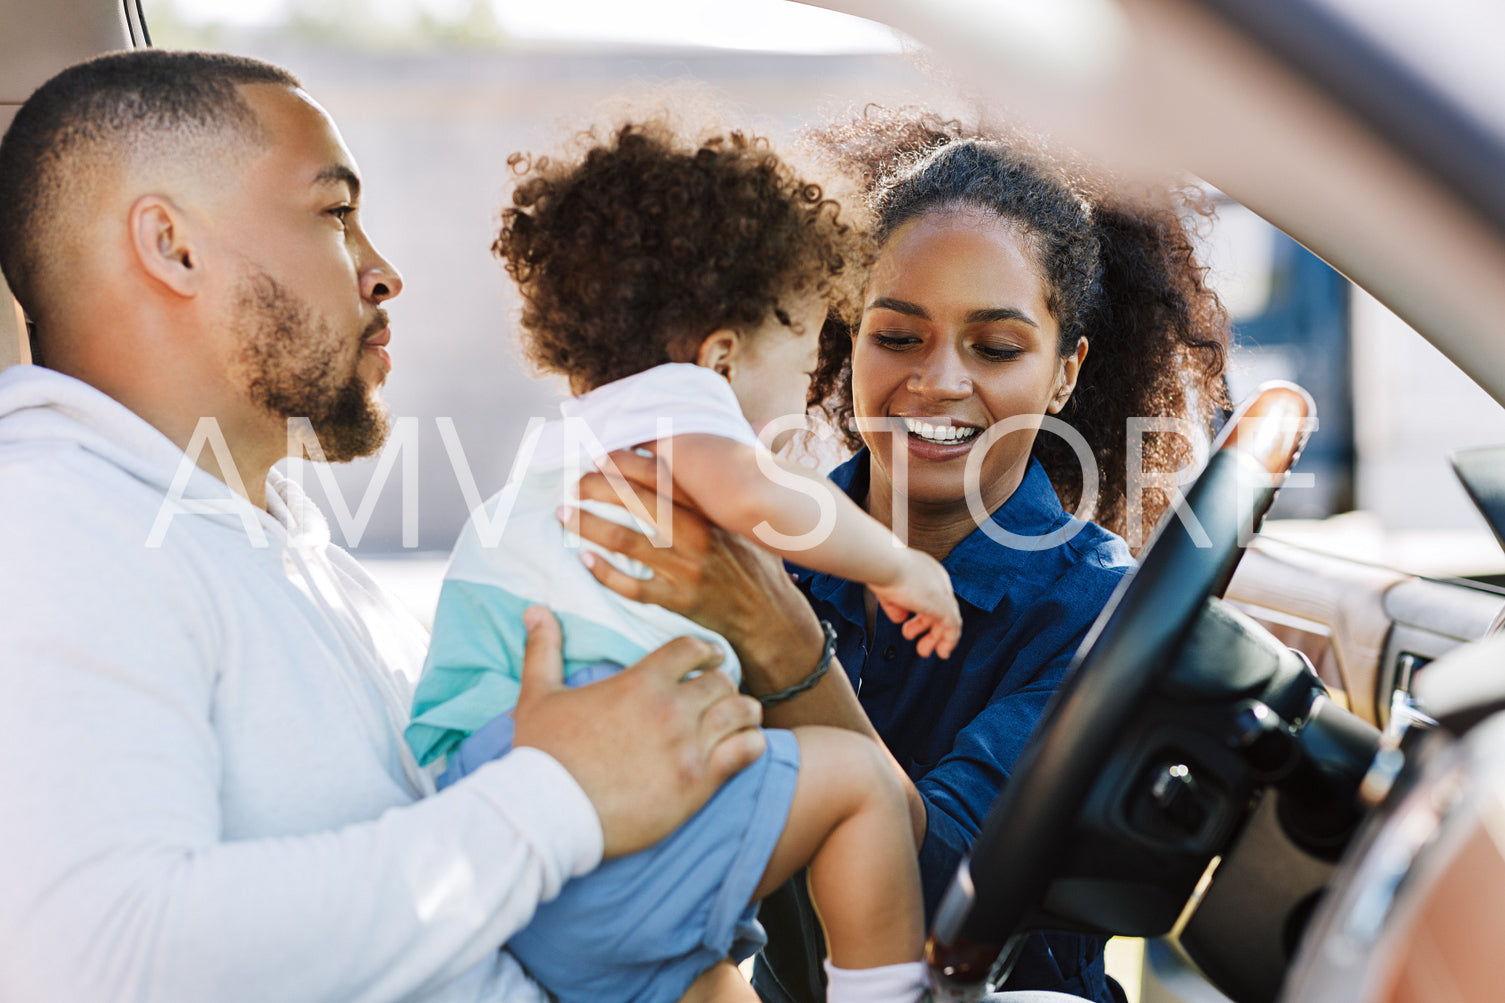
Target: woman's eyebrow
(993,315)
(987,315)
(898,306)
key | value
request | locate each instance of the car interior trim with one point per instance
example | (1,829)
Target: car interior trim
(1348,598)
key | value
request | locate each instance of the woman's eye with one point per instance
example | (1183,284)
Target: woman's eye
(342,213)
(998,353)
(894,340)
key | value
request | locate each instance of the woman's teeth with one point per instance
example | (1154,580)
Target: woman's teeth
(938,433)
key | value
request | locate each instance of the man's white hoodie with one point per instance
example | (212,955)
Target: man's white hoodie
(209,798)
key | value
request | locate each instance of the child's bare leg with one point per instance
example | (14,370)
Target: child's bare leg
(850,823)
(721,983)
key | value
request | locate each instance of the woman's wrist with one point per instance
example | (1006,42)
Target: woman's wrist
(813,678)
(779,651)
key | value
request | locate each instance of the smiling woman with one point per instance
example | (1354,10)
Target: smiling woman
(1004,294)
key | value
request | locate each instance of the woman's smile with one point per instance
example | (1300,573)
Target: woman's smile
(939,431)
(938,439)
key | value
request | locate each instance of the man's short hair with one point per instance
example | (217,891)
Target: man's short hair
(108,109)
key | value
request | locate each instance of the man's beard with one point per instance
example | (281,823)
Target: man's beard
(295,370)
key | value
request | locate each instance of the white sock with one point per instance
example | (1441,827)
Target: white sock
(902,983)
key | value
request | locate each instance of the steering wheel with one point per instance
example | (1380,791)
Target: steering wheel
(1132,644)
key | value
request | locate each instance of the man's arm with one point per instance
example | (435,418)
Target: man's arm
(116,882)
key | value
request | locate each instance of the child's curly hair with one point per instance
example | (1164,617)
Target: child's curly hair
(630,255)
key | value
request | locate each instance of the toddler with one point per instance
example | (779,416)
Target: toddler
(681,288)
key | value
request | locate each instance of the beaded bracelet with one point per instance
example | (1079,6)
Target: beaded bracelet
(809,681)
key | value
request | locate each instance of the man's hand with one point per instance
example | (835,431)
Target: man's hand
(647,746)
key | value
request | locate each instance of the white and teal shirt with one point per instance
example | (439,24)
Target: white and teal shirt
(513,553)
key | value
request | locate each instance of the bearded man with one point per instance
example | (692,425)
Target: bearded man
(208,796)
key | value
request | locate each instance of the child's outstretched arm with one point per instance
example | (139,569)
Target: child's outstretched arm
(803,517)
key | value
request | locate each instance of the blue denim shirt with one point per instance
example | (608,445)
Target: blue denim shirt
(957,725)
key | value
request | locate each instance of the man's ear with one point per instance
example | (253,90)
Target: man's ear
(718,351)
(163,246)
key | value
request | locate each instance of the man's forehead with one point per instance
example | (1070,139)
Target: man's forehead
(303,136)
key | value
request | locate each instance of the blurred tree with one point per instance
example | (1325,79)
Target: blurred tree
(358,25)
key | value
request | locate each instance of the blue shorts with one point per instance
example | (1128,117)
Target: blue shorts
(641,928)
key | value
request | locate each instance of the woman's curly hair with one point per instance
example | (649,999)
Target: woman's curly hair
(631,254)
(1120,270)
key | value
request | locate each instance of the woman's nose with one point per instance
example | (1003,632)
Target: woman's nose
(941,374)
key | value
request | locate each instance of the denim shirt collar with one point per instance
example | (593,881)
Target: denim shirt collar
(982,571)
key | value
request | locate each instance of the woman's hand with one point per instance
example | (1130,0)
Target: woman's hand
(716,578)
(731,586)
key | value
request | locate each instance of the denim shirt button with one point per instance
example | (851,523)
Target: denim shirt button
(889,653)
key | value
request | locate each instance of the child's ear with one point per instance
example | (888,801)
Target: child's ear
(719,350)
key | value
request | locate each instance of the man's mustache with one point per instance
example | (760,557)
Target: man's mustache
(377,323)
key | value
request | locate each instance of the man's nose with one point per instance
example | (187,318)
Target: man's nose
(379,279)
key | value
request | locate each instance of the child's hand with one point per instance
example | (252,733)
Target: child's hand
(924,589)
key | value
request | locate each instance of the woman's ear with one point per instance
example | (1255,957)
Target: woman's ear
(719,351)
(162,246)
(1071,368)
